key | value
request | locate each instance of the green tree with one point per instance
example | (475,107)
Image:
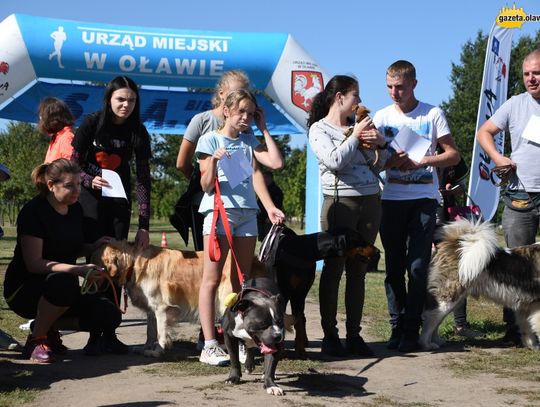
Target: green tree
(461,108)
(21,149)
(466,77)
(167,182)
(292,181)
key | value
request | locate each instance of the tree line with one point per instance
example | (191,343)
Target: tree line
(22,148)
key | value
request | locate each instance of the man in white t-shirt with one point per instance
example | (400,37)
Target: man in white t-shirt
(410,198)
(519,115)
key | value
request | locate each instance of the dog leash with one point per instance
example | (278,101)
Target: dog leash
(214,251)
(90,286)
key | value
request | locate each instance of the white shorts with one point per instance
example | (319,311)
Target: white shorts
(243,222)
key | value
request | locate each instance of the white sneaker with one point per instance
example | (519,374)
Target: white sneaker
(242,354)
(215,356)
(467,332)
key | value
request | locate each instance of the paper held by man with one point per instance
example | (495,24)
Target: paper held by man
(413,144)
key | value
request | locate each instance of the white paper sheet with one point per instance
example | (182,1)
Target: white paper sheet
(116,189)
(410,142)
(236,168)
(532,130)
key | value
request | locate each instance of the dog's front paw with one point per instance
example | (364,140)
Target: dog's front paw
(155,351)
(429,345)
(529,342)
(233,379)
(275,390)
(436,339)
(249,363)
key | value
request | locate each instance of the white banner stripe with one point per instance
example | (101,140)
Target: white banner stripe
(493,93)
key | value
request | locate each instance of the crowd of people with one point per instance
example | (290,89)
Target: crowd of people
(70,216)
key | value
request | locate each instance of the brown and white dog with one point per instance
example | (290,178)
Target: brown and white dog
(469,261)
(162,282)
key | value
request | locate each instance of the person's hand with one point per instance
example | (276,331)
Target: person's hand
(142,239)
(503,160)
(219,153)
(94,272)
(372,137)
(99,183)
(276,216)
(364,124)
(260,119)
(409,164)
(397,159)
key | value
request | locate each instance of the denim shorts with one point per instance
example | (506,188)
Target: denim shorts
(243,222)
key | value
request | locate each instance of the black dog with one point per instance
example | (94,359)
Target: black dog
(292,259)
(256,319)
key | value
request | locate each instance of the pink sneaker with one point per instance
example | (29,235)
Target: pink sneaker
(37,350)
(42,354)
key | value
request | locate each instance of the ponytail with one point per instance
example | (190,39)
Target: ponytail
(323,100)
(52,171)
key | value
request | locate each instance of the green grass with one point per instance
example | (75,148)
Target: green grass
(482,315)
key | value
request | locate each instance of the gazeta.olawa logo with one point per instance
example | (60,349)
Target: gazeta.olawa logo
(515,17)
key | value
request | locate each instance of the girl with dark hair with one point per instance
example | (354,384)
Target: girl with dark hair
(351,199)
(109,139)
(55,120)
(42,280)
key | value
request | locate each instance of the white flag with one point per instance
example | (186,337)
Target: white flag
(482,189)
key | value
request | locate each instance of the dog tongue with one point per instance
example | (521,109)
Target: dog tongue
(266,349)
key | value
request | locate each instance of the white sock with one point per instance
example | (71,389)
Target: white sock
(211,342)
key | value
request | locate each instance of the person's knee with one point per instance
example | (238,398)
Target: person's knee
(101,315)
(61,289)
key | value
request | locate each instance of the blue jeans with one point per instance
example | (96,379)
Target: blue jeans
(407,234)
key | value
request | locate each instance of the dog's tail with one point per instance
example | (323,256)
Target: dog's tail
(476,245)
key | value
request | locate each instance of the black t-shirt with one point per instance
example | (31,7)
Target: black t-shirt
(112,148)
(62,237)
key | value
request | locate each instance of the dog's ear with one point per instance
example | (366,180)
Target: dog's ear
(242,305)
(110,261)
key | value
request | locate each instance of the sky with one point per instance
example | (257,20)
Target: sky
(353,37)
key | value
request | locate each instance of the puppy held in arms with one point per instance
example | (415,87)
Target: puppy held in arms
(256,318)
(469,261)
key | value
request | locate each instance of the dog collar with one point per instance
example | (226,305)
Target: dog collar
(244,291)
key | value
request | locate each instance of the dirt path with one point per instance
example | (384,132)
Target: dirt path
(389,378)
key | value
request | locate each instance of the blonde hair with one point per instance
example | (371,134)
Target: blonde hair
(402,69)
(225,83)
(52,171)
(234,98)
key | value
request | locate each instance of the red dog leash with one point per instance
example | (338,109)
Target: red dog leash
(214,251)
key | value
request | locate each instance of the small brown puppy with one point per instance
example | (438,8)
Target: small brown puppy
(360,112)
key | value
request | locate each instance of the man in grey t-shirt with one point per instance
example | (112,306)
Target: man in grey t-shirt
(518,115)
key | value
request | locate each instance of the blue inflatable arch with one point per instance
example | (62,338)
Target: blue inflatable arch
(176,69)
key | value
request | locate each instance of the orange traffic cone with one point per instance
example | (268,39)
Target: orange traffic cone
(163,240)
